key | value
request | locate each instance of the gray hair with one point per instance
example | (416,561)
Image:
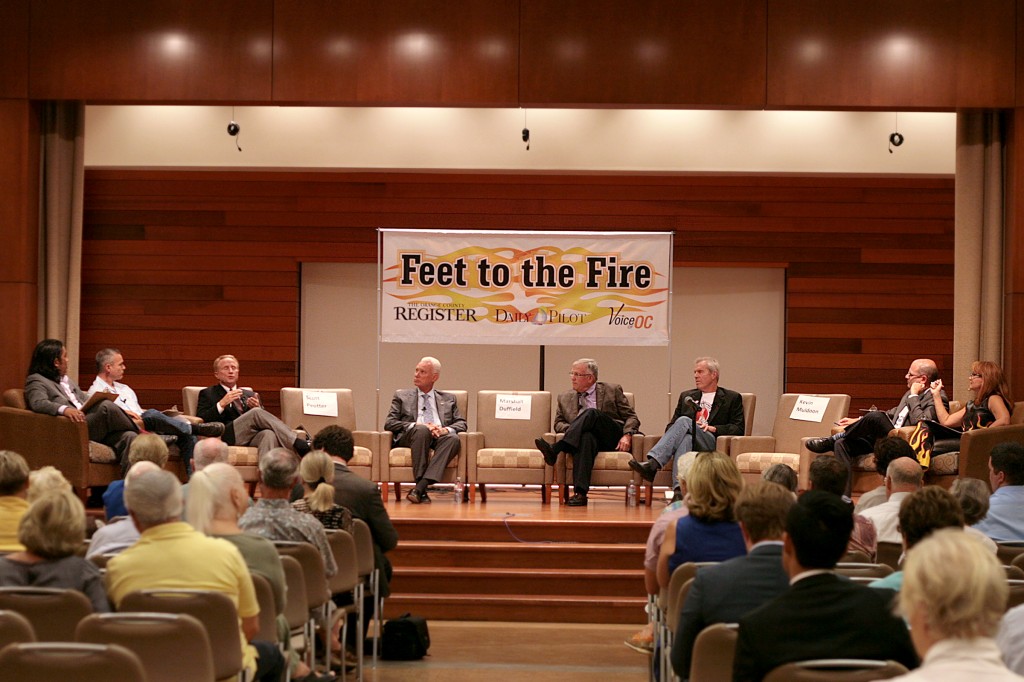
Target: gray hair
(590,363)
(154,497)
(782,474)
(684,465)
(209,451)
(279,468)
(712,364)
(905,471)
(434,362)
(104,356)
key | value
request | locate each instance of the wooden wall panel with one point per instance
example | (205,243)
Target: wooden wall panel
(912,54)
(198,273)
(14,48)
(659,53)
(160,51)
(406,52)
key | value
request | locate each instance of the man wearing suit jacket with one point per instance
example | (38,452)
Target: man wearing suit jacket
(821,615)
(239,410)
(859,435)
(716,410)
(726,592)
(422,419)
(594,416)
(49,390)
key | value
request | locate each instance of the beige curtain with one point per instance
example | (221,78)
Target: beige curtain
(978,277)
(60,249)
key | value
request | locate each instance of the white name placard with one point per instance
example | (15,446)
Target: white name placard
(809,408)
(320,403)
(512,406)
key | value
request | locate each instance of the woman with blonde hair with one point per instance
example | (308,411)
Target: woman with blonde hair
(148,447)
(52,531)
(953,597)
(45,480)
(991,406)
(709,532)
(317,472)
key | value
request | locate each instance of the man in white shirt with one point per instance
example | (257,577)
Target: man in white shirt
(903,477)
(110,369)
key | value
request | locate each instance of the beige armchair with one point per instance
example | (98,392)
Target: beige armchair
(786,444)
(971,460)
(244,458)
(367,443)
(396,463)
(502,450)
(722,443)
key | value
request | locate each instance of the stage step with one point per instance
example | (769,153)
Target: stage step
(564,556)
(522,528)
(519,608)
(514,581)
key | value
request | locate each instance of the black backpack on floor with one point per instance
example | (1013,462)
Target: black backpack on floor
(405,638)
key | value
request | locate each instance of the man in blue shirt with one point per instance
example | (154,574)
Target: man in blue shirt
(1005,519)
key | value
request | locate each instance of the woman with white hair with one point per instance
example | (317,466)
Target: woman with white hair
(953,597)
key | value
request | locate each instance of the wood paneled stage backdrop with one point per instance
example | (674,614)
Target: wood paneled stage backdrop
(179,265)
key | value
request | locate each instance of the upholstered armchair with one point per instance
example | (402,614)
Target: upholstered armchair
(367,443)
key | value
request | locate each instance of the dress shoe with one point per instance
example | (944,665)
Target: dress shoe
(677,496)
(648,469)
(212,429)
(577,500)
(415,496)
(550,456)
(821,445)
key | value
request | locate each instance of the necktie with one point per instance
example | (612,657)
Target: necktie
(428,410)
(582,398)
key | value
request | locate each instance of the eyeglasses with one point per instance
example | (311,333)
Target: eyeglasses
(974,375)
(577,375)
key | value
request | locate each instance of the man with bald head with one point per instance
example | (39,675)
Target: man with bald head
(903,477)
(859,435)
(121,532)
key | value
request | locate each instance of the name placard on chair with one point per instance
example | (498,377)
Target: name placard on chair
(809,408)
(512,406)
(320,403)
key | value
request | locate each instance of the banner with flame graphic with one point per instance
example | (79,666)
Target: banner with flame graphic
(513,288)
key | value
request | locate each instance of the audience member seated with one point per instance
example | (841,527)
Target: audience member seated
(783,474)
(643,641)
(991,406)
(821,615)
(274,518)
(829,474)
(207,451)
(921,514)
(903,477)
(726,592)
(886,450)
(171,554)
(954,593)
(317,472)
(709,532)
(52,531)
(1005,519)
(973,496)
(121,533)
(217,501)
(14,475)
(148,447)
(44,480)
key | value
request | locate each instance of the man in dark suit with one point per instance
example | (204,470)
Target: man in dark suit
(716,411)
(239,410)
(49,390)
(594,416)
(726,592)
(423,419)
(859,435)
(821,615)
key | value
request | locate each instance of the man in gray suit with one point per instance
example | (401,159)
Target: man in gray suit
(422,420)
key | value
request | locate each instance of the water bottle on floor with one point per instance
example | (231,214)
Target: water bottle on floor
(631,494)
(460,489)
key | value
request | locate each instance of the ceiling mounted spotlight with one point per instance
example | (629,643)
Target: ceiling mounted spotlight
(526,132)
(895,138)
(234,129)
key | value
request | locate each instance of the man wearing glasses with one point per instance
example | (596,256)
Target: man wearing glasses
(859,435)
(594,416)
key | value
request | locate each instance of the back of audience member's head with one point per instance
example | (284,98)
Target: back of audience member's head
(956,584)
(317,472)
(927,510)
(335,441)
(279,468)
(45,480)
(683,467)
(972,494)
(215,492)
(1008,458)
(888,449)
(209,451)
(905,473)
(819,527)
(829,474)
(14,473)
(53,527)
(762,507)
(148,447)
(153,497)
(782,474)
(712,486)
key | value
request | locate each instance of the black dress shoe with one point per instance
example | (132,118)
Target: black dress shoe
(212,429)
(425,498)
(577,500)
(821,445)
(648,469)
(550,456)
(415,496)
